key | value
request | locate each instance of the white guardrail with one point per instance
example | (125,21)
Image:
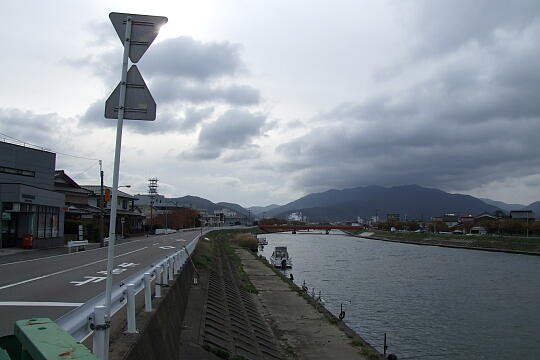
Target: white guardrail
(81,322)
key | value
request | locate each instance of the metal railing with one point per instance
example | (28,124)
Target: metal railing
(81,322)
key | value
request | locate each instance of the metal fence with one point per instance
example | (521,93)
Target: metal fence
(82,321)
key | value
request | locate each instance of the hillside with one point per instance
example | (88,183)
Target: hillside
(411,201)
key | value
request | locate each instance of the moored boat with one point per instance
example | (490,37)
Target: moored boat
(280,257)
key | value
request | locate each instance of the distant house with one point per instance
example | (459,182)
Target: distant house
(485,216)
(478,230)
(522,214)
(450,219)
(466,218)
(392,217)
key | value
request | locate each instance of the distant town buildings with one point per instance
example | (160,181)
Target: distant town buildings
(297,216)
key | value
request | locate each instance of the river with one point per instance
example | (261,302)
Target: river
(433,302)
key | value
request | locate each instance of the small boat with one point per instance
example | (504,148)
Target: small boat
(280,258)
(262,241)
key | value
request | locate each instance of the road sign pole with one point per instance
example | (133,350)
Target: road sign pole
(116,171)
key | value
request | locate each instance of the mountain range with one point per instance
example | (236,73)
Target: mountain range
(410,201)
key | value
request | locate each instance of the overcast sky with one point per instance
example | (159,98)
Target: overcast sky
(262,102)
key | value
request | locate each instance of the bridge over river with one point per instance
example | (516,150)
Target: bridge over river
(296,227)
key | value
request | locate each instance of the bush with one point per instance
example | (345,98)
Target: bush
(248,241)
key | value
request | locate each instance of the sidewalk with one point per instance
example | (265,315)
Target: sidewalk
(305,332)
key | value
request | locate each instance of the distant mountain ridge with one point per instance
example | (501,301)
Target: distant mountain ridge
(502,205)
(410,201)
(259,210)
(195,202)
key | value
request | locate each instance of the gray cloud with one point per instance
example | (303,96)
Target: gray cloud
(471,123)
(181,119)
(38,129)
(444,26)
(187,58)
(170,91)
(235,129)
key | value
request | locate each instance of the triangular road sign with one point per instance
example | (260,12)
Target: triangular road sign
(139,104)
(143,31)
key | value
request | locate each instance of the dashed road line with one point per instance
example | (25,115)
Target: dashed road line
(66,270)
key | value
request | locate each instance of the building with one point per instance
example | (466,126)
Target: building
(129,220)
(392,217)
(450,220)
(29,204)
(522,215)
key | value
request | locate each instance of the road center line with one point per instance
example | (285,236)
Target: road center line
(39,303)
(66,270)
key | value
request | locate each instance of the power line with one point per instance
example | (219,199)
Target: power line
(85,170)
(46,149)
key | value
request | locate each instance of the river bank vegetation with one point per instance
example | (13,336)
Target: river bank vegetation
(512,243)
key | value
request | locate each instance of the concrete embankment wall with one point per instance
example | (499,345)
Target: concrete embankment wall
(160,337)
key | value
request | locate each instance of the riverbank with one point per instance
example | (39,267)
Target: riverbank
(515,245)
(243,309)
(305,329)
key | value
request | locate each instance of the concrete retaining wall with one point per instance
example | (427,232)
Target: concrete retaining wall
(160,338)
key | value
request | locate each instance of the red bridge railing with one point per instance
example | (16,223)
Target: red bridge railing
(313,226)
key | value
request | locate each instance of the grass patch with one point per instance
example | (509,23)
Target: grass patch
(231,238)
(203,255)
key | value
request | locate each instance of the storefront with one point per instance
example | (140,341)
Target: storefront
(28,210)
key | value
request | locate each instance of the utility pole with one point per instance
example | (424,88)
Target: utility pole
(101,215)
(152,191)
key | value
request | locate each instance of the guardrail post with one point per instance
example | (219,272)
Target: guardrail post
(147,292)
(177,263)
(165,278)
(98,347)
(171,268)
(131,325)
(159,270)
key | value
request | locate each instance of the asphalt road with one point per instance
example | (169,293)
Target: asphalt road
(54,285)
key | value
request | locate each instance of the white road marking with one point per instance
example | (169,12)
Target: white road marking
(65,270)
(166,247)
(39,303)
(155,243)
(89,279)
(53,256)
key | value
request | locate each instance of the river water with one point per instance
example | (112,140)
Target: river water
(433,302)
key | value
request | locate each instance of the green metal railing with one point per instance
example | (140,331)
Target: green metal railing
(41,339)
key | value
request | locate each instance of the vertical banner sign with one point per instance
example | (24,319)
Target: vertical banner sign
(130,100)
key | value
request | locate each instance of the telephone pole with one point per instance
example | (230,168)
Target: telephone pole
(101,215)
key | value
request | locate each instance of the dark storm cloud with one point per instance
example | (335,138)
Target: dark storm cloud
(235,129)
(182,119)
(187,58)
(474,121)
